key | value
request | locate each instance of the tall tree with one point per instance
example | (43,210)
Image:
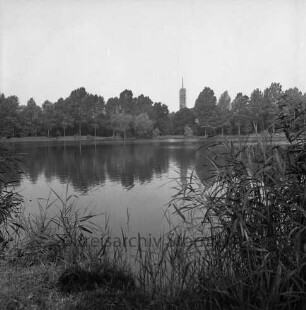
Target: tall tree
(112,107)
(241,115)
(127,102)
(8,115)
(142,124)
(160,116)
(273,92)
(256,108)
(143,105)
(223,111)
(121,122)
(78,108)
(291,114)
(224,102)
(62,114)
(181,119)
(96,106)
(48,116)
(271,96)
(30,116)
(205,109)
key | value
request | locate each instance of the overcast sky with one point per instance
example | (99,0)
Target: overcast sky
(50,47)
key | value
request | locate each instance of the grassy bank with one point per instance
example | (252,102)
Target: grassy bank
(50,265)
(36,287)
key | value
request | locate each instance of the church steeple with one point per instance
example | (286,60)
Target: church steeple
(182,94)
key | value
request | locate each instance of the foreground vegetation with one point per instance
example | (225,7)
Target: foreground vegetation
(237,241)
(50,264)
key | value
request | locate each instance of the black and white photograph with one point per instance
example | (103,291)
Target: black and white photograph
(153,154)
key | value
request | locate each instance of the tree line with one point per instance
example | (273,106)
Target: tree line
(83,113)
(243,115)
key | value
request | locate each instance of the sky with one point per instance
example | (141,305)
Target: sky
(50,47)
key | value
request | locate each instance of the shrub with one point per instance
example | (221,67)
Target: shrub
(155,133)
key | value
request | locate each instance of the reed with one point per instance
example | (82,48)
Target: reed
(56,232)
(253,221)
(10,201)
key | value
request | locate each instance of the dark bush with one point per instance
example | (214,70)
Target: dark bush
(10,201)
(76,279)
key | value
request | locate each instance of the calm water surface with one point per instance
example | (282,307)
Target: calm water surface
(138,178)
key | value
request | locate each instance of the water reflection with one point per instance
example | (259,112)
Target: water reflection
(113,177)
(86,166)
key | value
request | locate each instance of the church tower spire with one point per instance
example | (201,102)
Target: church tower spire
(182,96)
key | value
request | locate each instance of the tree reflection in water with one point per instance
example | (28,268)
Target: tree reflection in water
(113,176)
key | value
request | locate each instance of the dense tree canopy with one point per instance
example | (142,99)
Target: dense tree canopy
(181,119)
(223,112)
(142,124)
(83,113)
(9,108)
(206,110)
(241,114)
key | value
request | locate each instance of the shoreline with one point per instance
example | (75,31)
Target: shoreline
(250,139)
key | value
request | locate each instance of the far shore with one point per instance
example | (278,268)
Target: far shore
(249,139)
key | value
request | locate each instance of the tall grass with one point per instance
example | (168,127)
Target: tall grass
(164,270)
(254,221)
(56,233)
(10,201)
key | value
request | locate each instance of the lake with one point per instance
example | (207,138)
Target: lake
(129,182)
